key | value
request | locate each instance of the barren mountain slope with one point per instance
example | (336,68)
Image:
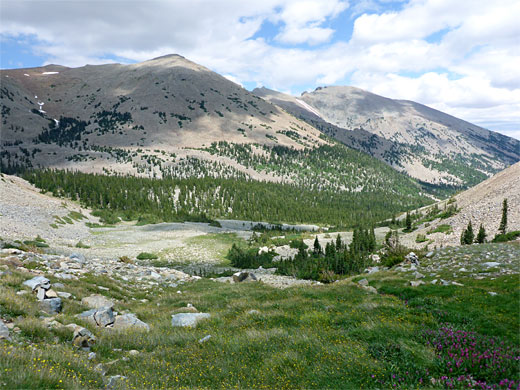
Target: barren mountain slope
(95,116)
(481,204)
(425,143)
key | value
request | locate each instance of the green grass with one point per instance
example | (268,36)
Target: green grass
(329,336)
(444,228)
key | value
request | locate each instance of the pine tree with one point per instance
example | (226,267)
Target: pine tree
(503,223)
(408,222)
(481,236)
(467,236)
(317,246)
(339,243)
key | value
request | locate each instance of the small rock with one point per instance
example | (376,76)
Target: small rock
(91,355)
(492,293)
(114,380)
(96,301)
(372,270)
(133,352)
(63,294)
(363,282)
(21,292)
(51,306)
(83,338)
(418,275)
(253,312)
(457,284)
(490,264)
(416,283)
(204,339)
(38,281)
(429,254)
(370,289)
(103,288)
(51,293)
(188,319)
(434,281)
(4,331)
(40,293)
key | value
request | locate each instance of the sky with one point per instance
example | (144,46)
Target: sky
(459,56)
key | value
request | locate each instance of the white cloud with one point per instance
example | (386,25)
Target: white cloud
(302,20)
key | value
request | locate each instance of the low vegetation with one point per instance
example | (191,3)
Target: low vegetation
(329,336)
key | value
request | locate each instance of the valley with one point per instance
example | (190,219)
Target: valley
(163,227)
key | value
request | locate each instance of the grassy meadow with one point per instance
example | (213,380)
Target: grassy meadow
(328,336)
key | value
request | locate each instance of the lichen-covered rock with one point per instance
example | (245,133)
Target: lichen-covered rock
(188,319)
(51,306)
(130,321)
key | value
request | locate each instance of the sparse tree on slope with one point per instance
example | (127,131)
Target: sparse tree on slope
(503,223)
(481,236)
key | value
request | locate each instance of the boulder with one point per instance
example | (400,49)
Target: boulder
(83,338)
(244,277)
(129,321)
(38,281)
(363,282)
(104,316)
(51,306)
(188,319)
(4,331)
(96,301)
(412,258)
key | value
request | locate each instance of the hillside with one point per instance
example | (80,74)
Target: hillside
(127,115)
(481,204)
(429,145)
(169,118)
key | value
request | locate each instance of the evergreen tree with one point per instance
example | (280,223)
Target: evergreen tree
(408,222)
(317,246)
(481,236)
(339,243)
(503,223)
(467,236)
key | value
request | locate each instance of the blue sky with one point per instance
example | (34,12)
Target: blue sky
(460,57)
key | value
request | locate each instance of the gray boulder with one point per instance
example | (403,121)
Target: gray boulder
(38,281)
(244,277)
(363,282)
(188,319)
(83,338)
(96,301)
(130,321)
(51,306)
(4,331)
(104,316)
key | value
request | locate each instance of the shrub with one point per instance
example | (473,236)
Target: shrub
(147,256)
(507,237)
(420,238)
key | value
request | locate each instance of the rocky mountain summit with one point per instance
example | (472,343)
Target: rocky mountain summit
(429,145)
(135,118)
